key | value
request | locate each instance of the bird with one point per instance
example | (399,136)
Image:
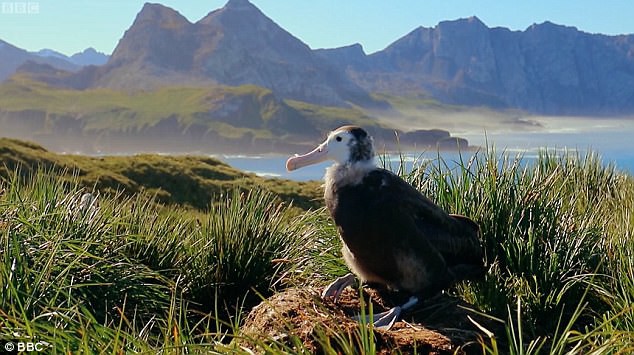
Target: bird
(392,234)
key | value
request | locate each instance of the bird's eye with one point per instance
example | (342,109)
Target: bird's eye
(338,139)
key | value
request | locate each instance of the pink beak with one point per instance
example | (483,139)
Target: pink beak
(318,155)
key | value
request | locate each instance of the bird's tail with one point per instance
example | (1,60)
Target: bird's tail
(467,272)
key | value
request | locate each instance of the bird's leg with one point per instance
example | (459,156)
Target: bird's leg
(336,288)
(385,320)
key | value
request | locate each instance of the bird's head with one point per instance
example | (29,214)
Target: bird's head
(345,145)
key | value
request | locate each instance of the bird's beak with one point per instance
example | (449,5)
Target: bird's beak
(318,155)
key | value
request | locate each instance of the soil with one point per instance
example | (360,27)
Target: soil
(439,325)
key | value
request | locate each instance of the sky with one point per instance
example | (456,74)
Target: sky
(70,26)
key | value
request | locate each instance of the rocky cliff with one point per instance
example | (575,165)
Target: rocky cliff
(234,45)
(547,68)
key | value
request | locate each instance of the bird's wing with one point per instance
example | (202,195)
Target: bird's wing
(454,237)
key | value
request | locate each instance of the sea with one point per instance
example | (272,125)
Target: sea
(613,146)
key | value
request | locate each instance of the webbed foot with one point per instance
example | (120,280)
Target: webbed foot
(385,320)
(336,288)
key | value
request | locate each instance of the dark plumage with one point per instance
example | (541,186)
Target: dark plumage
(395,236)
(392,234)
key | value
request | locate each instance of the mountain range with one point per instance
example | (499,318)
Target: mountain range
(12,58)
(88,56)
(234,45)
(546,69)
(238,82)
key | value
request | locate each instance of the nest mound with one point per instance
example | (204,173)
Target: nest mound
(439,325)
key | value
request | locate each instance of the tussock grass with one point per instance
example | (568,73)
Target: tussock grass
(130,271)
(134,276)
(65,273)
(551,233)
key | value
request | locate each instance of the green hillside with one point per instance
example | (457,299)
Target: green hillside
(185,180)
(246,118)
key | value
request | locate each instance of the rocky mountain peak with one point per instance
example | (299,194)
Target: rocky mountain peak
(475,19)
(89,56)
(548,26)
(239,5)
(159,36)
(50,53)
(234,45)
(471,21)
(152,13)
(89,50)
(240,11)
(240,33)
(464,25)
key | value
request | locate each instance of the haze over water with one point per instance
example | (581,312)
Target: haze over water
(611,139)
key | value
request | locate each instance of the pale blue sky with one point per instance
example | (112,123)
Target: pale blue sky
(70,26)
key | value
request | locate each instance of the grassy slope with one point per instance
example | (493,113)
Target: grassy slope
(184,180)
(325,118)
(256,110)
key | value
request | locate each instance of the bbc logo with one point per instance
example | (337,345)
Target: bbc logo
(20,346)
(19,8)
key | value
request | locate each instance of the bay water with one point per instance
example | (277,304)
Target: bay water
(614,147)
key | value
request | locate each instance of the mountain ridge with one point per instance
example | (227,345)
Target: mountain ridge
(234,45)
(545,69)
(12,58)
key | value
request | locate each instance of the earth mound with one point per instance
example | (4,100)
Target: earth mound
(298,317)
